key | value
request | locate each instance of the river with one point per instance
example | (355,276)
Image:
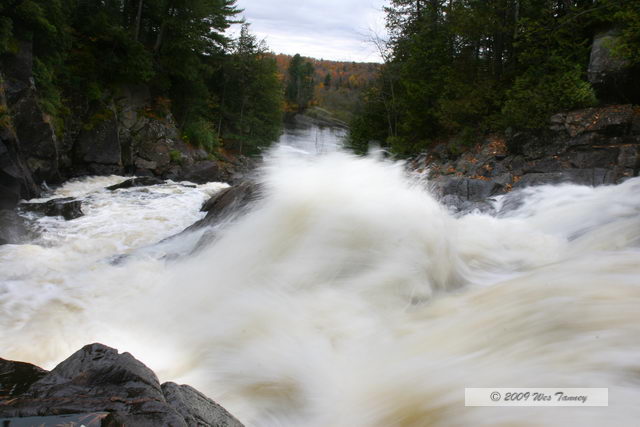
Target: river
(348,296)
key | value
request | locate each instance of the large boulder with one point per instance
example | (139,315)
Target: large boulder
(614,79)
(97,149)
(66,207)
(142,181)
(98,383)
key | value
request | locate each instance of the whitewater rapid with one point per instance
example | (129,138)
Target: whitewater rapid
(347,296)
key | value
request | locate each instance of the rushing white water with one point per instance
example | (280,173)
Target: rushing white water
(346,297)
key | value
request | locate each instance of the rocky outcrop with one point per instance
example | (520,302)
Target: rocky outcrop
(66,207)
(15,178)
(101,386)
(128,131)
(594,146)
(230,201)
(613,78)
(33,128)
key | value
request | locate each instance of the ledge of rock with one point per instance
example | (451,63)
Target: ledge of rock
(592,146)
(141,181)
(67,207)
(97,386)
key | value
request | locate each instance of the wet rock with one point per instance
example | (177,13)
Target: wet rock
(66,207)
(468,189)
(594,158)
(97,148)
(33,128)
(227,202)
(12,228)
(196,408)
(116,388)
(205,171)
(16,182)
(140,181)
(17,377)
(541,179)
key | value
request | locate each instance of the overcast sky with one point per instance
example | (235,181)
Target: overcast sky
(328,29)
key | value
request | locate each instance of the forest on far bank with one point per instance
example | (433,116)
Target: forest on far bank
(458,69)
(218,88)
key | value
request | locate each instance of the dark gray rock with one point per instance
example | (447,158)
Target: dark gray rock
(99,147)
(541,179)
(67,207)
(196,408)
(230,201)
(12,228)
(33,128)
(115,388)
(17,377)
(594,158)
(205,171)
(16,182)
(468,189)
(613,78)
(141,181)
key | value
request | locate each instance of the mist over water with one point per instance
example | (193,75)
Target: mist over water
(347,296)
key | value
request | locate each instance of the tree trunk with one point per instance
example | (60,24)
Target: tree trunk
(163,27)
(136,33)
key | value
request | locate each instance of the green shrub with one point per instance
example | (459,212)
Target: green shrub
(201,133)
(535,97)
(175,156)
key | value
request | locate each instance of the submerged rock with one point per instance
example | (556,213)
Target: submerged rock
(97,383)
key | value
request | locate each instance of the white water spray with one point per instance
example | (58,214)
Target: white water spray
(346,297)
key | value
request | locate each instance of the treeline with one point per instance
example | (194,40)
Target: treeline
(456,69)
(332,85)
(217,88)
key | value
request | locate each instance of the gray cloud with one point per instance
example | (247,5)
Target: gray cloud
(329,29)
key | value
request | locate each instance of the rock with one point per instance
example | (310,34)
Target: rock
(613,120)
(205,171)
(67,207)
(98,382)
(97,149)
(17,377)
(141,181)
(467,189)
(16,181)
(12,228)
(594,158)
(33,128)
(612,77)
(541,179)
(229,201)
(196,408)
(629,156)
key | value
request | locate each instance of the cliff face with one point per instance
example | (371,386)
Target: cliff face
(129,132)
(594,146)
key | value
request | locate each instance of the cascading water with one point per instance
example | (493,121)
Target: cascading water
(346,297)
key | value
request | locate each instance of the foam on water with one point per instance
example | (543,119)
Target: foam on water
(346,297)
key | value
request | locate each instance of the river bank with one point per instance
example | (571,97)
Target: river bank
(593,147)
